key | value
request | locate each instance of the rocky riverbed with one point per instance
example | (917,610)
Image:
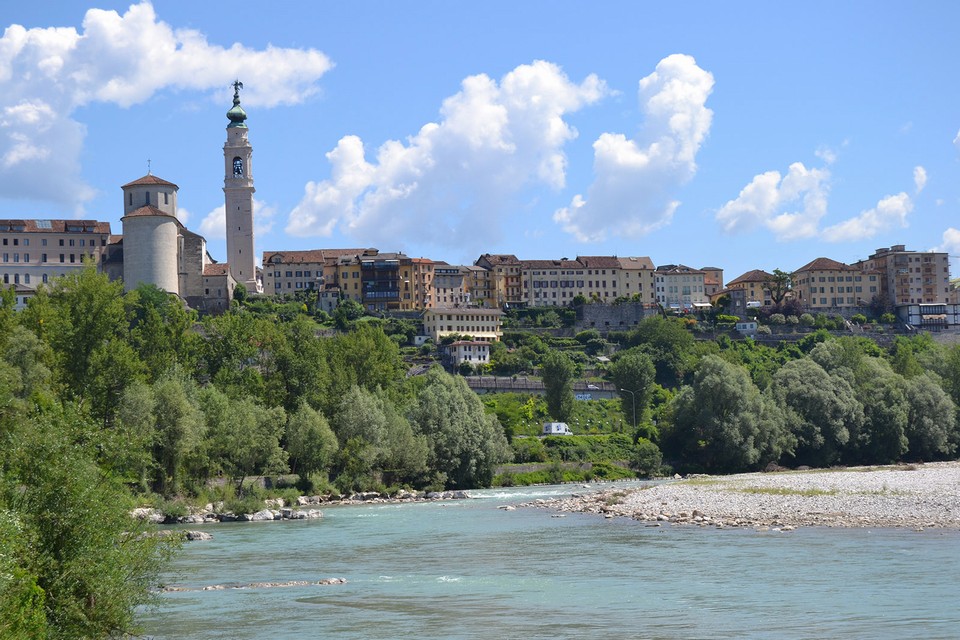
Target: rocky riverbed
(919,496)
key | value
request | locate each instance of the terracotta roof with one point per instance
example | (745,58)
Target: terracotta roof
(54,226)
(149,180)
(218,269)
(499,258)
(551,264)
(677,268)
(150,210)
(635,262)
(757,275)
(825,264)
(599,262)
(311,256)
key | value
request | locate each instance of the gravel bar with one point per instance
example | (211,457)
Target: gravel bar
(920,496)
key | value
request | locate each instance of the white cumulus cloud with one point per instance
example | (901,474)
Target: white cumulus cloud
(919,178)
(790,206)
(214,224)
(492,140)
(951,242)
(635,179)
(120,59)
(891,211)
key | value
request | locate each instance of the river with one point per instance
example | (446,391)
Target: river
(466,569)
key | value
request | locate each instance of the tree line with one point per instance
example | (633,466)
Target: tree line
(109,398)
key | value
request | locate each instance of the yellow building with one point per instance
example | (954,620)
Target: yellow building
(482,325)
(825,284)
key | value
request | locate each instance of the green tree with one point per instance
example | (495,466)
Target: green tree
(34,359)
(311,443)
(87,312)
(180,433)
(779,286)
(244,437)
(722,422)
(161,330)
(81,555)
(347,313)
(821,411)
(634,371)
(557,373)
(670,346)
(465,443)
(931,425)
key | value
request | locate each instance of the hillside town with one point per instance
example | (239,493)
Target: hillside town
(155,247)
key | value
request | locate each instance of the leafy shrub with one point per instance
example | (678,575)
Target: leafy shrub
(647,458)
(777,319)
(806,320)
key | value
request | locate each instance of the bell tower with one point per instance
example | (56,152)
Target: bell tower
(238,196)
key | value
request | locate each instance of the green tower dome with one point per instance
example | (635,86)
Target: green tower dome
(236,115)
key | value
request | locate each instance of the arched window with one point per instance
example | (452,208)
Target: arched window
(237,167)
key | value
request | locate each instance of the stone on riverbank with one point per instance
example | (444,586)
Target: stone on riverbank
(912,496)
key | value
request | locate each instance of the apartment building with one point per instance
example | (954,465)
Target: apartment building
(507,278)
(421,284)
(602,275)
(712,280)
(909,277)
(33,252)
(750,290)
(637,279)
(483,325)
(470,351)
(480,285)
(824,284)
(551,282)
(680,287)
(450,286)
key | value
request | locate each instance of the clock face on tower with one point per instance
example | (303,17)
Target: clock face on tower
(237,167)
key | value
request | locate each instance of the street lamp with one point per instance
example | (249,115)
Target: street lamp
(633,397)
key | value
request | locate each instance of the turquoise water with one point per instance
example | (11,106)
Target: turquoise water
(466,569)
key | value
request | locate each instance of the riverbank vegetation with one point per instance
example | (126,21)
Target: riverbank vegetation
(109,398)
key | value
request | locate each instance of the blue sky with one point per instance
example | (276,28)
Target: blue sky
(738,135)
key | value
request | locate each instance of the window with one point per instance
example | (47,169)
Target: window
(26,278)
(61,242)
(61,257)
(71,242)
(43,257)
(43,242)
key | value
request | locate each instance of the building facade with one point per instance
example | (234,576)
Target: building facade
(824,284)
(680,287)
(505,270)
(909,277)
(483,325)
(33,252)
(750,290)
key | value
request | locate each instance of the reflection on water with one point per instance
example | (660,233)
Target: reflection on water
(470,570)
